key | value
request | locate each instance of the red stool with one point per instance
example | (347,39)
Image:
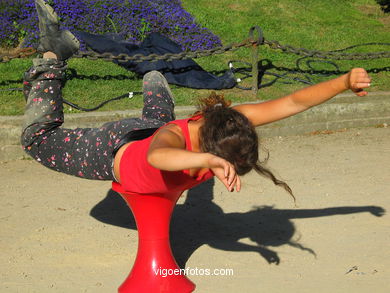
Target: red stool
(152,214)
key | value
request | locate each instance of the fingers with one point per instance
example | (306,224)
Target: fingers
(362,84)
(226,168)
(232,179)
(229,173)
(361,93)
(228,177)
(359,80)
(226,173)
(238,184)
(224,180)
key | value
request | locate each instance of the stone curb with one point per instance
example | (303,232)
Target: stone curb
(343,111)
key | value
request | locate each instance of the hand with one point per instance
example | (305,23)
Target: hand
(270,256)
(357,81)
(225,172)
(377,211)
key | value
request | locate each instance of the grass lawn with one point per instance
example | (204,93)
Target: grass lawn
(310,24)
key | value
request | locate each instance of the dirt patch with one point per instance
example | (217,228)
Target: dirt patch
(64,234)
(237,7)
(376,11)
(386,21)
(10,53)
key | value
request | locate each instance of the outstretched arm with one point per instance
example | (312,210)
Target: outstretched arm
(266,112)
(167,152)
(270,256)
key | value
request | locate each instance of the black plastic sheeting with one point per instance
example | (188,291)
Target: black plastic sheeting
(186,73)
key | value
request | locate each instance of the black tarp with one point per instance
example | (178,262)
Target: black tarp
(185,73)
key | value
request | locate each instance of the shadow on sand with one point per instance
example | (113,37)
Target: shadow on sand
(200,221)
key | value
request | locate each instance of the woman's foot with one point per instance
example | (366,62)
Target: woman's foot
(61,42)
(49,55)
(158,99)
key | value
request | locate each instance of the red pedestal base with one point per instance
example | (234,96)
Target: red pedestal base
(154,269)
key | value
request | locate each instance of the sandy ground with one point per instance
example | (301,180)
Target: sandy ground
(64,234)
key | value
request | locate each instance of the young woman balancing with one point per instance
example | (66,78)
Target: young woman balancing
(218,141)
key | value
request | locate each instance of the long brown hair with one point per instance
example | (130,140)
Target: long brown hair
(230,135)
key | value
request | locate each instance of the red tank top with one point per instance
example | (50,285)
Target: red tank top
(138,176)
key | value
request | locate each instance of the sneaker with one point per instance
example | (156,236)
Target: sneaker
(158,99)
(61,42)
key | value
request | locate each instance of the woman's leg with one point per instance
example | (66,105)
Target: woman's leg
(158,98)
(42,91)
(83,152)
(158,110)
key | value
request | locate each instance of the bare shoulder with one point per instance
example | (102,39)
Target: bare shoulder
(249,110)
(173,129)
(169,135)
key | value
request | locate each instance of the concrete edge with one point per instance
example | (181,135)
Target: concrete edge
(344,111)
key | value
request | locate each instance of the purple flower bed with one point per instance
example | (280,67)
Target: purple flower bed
(132,19)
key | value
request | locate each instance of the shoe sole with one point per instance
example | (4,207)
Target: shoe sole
(45,12)
(164,82)
(71,39)
(49,18)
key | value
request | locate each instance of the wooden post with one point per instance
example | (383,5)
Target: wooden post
(255,69)
(255,56)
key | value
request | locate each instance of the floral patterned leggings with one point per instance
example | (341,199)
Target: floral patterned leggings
(82,152)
